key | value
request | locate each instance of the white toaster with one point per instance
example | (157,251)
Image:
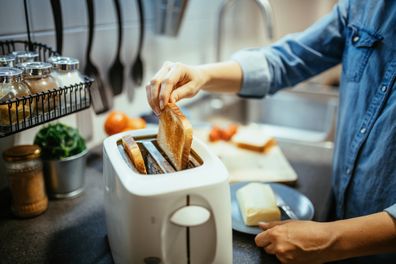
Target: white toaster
(178,217)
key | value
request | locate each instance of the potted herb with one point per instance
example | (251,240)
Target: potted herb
(63,152)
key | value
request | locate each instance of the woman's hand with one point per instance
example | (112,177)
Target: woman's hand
(173,82)
(296,241)
(315,242)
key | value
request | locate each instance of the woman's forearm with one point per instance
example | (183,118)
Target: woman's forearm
(222,77)
(366,235)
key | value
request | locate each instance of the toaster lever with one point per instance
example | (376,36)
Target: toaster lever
(189,216)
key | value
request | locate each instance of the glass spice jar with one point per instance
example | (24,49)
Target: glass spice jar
(11,87)
(7,60)
(37,75)
(26,180)
(22,56)
(65,71)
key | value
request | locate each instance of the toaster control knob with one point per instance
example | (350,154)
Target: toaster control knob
(189,216)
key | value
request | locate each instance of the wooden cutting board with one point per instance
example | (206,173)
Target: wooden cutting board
(246,165)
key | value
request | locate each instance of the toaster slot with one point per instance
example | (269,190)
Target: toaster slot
(156,161)
(150,163)
(158,156)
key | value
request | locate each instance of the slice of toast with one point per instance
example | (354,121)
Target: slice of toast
(175,136)
(133,151)
(254,139)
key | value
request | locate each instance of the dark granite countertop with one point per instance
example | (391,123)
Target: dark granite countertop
(74,231)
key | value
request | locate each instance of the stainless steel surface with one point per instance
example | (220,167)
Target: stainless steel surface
(165,166)
(265,9)
(285,207)
(65,178)
(305,114)
(169,16)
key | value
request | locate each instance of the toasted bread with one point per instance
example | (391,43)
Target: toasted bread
(254,139)
(133,151)
(175,136)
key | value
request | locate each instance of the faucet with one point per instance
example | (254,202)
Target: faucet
(265,9)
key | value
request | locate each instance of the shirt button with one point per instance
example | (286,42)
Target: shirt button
(355,39)
(348,171)
(363,130)
(384,88)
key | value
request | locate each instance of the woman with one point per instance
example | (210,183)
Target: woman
(362,36)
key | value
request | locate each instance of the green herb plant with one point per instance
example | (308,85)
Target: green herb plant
(59,141)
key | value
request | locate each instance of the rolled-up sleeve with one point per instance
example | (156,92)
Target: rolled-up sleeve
(391,210)
(294,58)
(256,75)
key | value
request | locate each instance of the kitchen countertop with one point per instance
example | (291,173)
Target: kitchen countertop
(74,231)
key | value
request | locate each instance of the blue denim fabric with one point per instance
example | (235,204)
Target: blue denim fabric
(362,36)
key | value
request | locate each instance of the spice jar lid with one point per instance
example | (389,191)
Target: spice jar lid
(52,59)
(10,74)
(64,63)
(22,153)
(35,68)
(7,60)
(25,56)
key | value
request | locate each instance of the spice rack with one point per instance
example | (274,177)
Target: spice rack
(22,113)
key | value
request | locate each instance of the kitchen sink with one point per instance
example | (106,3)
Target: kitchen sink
(305,114)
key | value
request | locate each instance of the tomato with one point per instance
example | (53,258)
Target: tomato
(215,134)
(232,129)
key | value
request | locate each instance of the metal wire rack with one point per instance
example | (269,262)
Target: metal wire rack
(22,113)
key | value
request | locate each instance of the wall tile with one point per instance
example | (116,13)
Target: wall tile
(12,17)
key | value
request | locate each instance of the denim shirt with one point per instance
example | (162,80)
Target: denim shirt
(362,36)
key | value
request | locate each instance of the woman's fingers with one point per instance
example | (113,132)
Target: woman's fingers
(262,239)
(153,88)
(270,249)
(268,225)
(168,84)
(173,82)
(185,91)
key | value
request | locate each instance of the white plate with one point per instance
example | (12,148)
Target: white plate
(299,203)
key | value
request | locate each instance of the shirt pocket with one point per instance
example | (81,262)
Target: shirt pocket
(360,44)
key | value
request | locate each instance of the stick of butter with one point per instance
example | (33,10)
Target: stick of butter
(257,203)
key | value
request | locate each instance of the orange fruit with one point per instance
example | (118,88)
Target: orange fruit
(115,122)
(135,123)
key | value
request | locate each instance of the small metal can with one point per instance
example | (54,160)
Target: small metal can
(26,180)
